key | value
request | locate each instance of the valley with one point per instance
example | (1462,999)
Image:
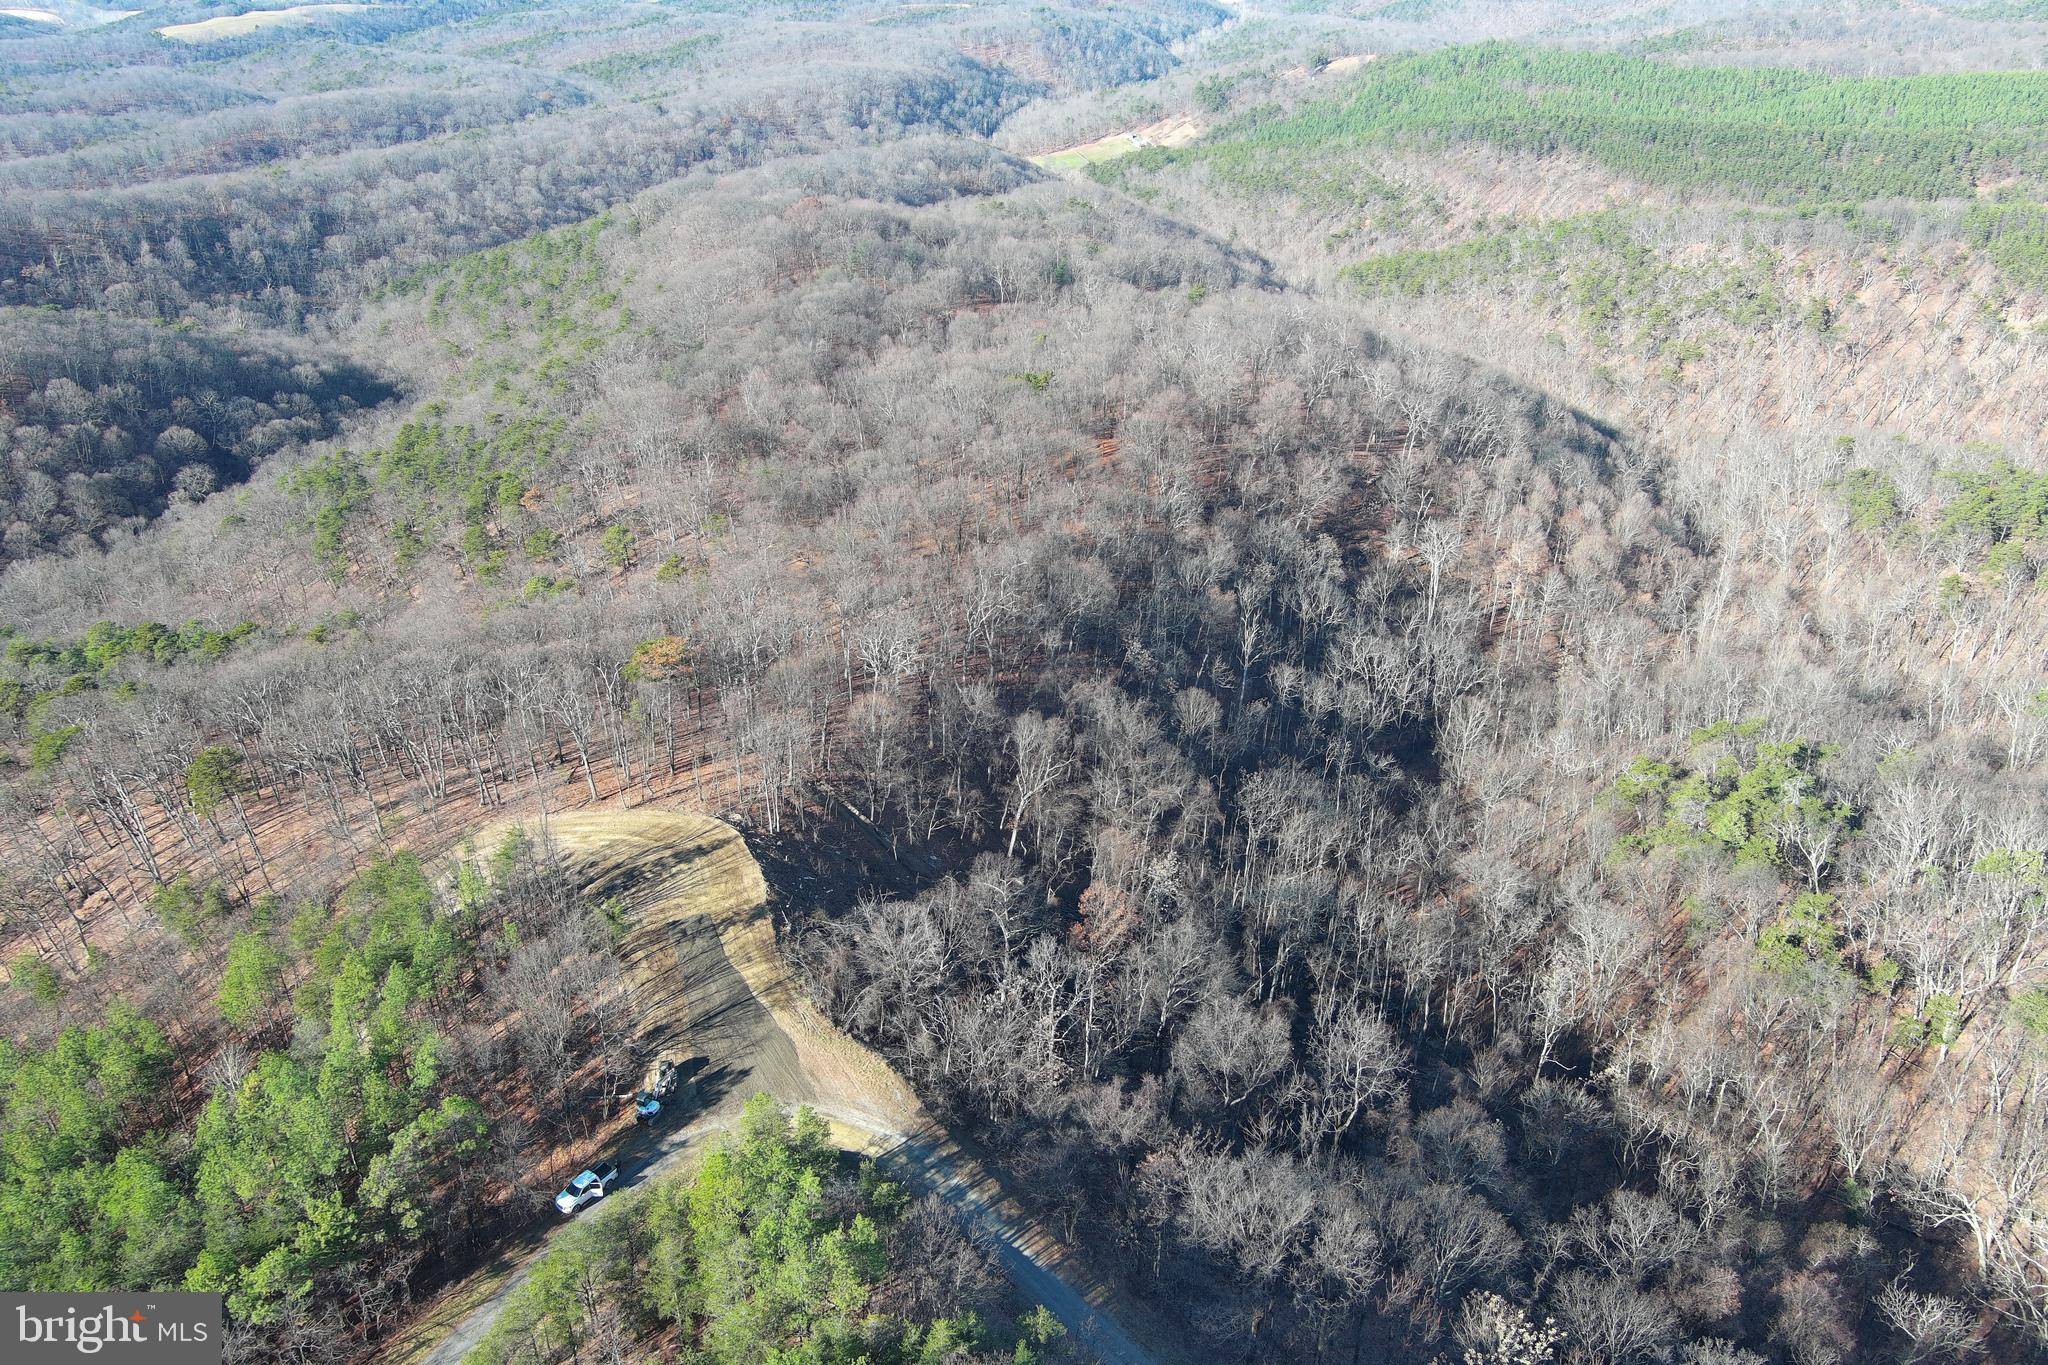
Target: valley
(1356,681)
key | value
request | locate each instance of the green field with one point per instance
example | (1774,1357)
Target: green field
(1089,154)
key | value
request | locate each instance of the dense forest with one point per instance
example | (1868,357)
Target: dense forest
(1421,718)
(112,417)
(1781,135)
(207,189)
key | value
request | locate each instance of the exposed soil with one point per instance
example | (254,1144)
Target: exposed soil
(709,984)
(1176,131)
(1336,66)
(241,25)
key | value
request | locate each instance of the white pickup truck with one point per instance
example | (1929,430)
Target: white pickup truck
(587,1187)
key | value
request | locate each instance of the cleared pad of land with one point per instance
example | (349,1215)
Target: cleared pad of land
(1178,131)
(1336,66)
(709,983)
(241,25)
(706,976)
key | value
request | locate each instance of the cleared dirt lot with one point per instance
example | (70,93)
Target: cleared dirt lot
(1177,131)
(707,980)
(241,25)
(708,983)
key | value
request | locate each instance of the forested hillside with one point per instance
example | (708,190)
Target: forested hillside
(112,417)
(283,175)
(1841,375)
(1421,716)
(1779,135)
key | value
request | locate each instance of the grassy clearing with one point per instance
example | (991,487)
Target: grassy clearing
(1088,153)
(1167,132)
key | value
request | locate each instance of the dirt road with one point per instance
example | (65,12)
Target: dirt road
(932,1163)
(709,983)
